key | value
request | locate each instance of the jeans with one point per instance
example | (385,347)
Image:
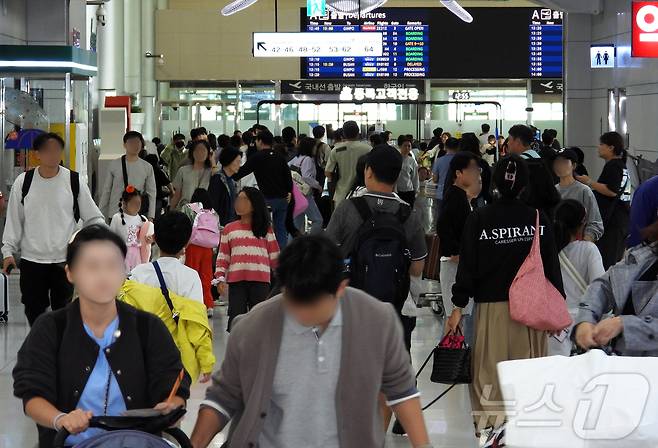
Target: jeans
(279,208)
(313,214)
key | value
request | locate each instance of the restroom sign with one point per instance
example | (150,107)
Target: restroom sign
(602,56)
(645,30)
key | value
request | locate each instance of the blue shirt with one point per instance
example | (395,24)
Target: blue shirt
(93,395)
(440,170)
(644,210)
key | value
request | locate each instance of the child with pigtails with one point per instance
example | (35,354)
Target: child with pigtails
(134,228)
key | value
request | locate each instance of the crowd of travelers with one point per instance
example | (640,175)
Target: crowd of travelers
(317,245)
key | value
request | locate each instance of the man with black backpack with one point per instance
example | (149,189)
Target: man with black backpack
(381,236)
(45,206)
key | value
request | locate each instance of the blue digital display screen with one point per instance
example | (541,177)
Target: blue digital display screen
(406,45)
(546,53)
(433,43)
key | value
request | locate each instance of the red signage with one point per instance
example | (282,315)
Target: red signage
(645,30)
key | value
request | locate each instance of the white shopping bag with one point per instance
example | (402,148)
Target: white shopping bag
(587,401)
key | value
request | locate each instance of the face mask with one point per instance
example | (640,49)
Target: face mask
(180,144)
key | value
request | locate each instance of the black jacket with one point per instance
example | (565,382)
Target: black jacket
(454,212)
(271,171)
(495,243)
(57,358)
(220,197)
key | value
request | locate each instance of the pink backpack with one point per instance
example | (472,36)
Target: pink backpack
(533,300)
(205,230)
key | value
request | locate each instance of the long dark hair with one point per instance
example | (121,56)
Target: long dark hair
(190,153)
(128,193)
(570,216)
(201,195)
(459,162)
(260,217)
(511,176)
(306,146)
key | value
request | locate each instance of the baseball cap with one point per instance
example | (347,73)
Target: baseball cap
(568,154)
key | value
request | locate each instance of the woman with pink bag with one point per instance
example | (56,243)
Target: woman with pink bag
(495,250)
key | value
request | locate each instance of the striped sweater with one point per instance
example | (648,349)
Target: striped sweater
(243,257)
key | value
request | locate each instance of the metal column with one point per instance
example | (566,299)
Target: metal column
(3,110)
(148,87)
(68,102)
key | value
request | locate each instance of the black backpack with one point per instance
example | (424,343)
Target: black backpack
(381,257)
(75,190)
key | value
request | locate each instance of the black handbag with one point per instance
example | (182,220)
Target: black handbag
(452,360)
(452,363)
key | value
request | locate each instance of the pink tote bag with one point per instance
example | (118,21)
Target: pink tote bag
(301,203)
(533,300)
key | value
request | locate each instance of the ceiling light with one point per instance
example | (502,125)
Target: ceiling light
(237,6)
(457,10)
(47,64)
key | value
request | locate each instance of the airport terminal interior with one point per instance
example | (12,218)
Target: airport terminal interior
(250,159)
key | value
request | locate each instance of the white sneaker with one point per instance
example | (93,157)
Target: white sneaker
(485,435)
(211,313)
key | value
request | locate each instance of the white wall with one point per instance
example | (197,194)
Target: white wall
(586,109)
(13,22)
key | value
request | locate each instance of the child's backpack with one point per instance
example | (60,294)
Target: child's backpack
(205,228)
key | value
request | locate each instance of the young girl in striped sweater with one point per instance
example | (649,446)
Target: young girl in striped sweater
(248,253)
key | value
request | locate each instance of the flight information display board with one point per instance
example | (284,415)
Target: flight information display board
(501,43)
(405,34)
(546,43)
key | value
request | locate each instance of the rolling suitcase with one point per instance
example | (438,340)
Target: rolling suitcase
(432,263)
(4,291)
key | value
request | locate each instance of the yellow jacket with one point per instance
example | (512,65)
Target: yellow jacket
(193,335)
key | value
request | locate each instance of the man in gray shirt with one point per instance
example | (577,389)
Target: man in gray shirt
(345,157)
(564,165)
(305,368)
(138,173)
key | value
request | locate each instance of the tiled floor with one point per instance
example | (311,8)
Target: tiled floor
(448,420)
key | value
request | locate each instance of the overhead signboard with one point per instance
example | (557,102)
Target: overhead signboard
(310,44)
(354,90)
(602,56)
(645,30)
(547,87)
(406,42)
(461,95)
(427,42)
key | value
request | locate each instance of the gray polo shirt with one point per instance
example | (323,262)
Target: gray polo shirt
(346,221)
(302,411)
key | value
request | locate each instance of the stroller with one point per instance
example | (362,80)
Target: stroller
(132,432)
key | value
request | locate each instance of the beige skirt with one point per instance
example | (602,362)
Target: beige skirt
(498,338)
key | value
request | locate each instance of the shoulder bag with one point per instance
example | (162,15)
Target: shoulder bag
(533,300)
(568,266)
